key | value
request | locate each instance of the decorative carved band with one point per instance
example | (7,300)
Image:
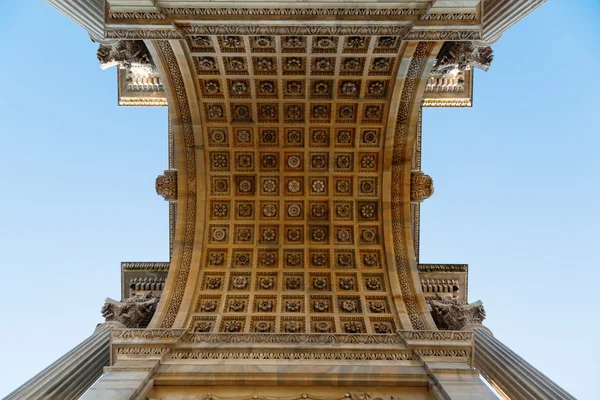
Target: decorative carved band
(399,29)
(415,69)
(182,106)
(447,103)
(287,355)
(443,267)
(142,102)
(288,338)
(158,266)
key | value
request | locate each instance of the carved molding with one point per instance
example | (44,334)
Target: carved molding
(304,396)
(154,266)
(183,256)
(143,102)
(421,186)
(400,29)
(184,336)
(443,268)
(166,185)
(287,355)
(407,98)
(447,103)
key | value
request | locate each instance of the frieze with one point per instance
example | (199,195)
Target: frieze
(334,30)
(436,335)
(443,353)
(304,396)
(399,29)
(291,338)
(450,17)
(136,15)
(288,338)
(287,355)
(224,12)
(142,350)
(296,12)
(146,333)
(438,35)
(143,34)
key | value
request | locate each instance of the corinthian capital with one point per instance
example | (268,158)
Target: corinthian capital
(453,314)
(460,56)
(133,312)
(129,54)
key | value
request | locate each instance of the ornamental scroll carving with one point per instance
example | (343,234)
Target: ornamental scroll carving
(133,312)
(454,314)
(166,185)
(460,56)
(304,396)
(421,186)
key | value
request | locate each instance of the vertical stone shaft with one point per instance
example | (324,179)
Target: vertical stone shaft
(72,374)
(89,14)
(511,375)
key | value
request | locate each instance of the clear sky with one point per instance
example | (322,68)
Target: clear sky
(517,187)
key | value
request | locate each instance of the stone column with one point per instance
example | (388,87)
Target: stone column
(72,374)
(510,374)
(89,14)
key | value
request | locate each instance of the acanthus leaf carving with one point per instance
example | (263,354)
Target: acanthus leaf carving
(455,57)
(454,314)
(132,55)
(166,185)
(133,312)
(421,186)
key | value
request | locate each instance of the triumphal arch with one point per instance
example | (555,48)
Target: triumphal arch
(294,186)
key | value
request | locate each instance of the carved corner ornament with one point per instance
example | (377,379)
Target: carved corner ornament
(166,185)
(421,186)
(127,54)
(455,57)
(133,312)
(454,314)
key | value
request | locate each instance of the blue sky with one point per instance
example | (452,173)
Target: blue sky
(516,189)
